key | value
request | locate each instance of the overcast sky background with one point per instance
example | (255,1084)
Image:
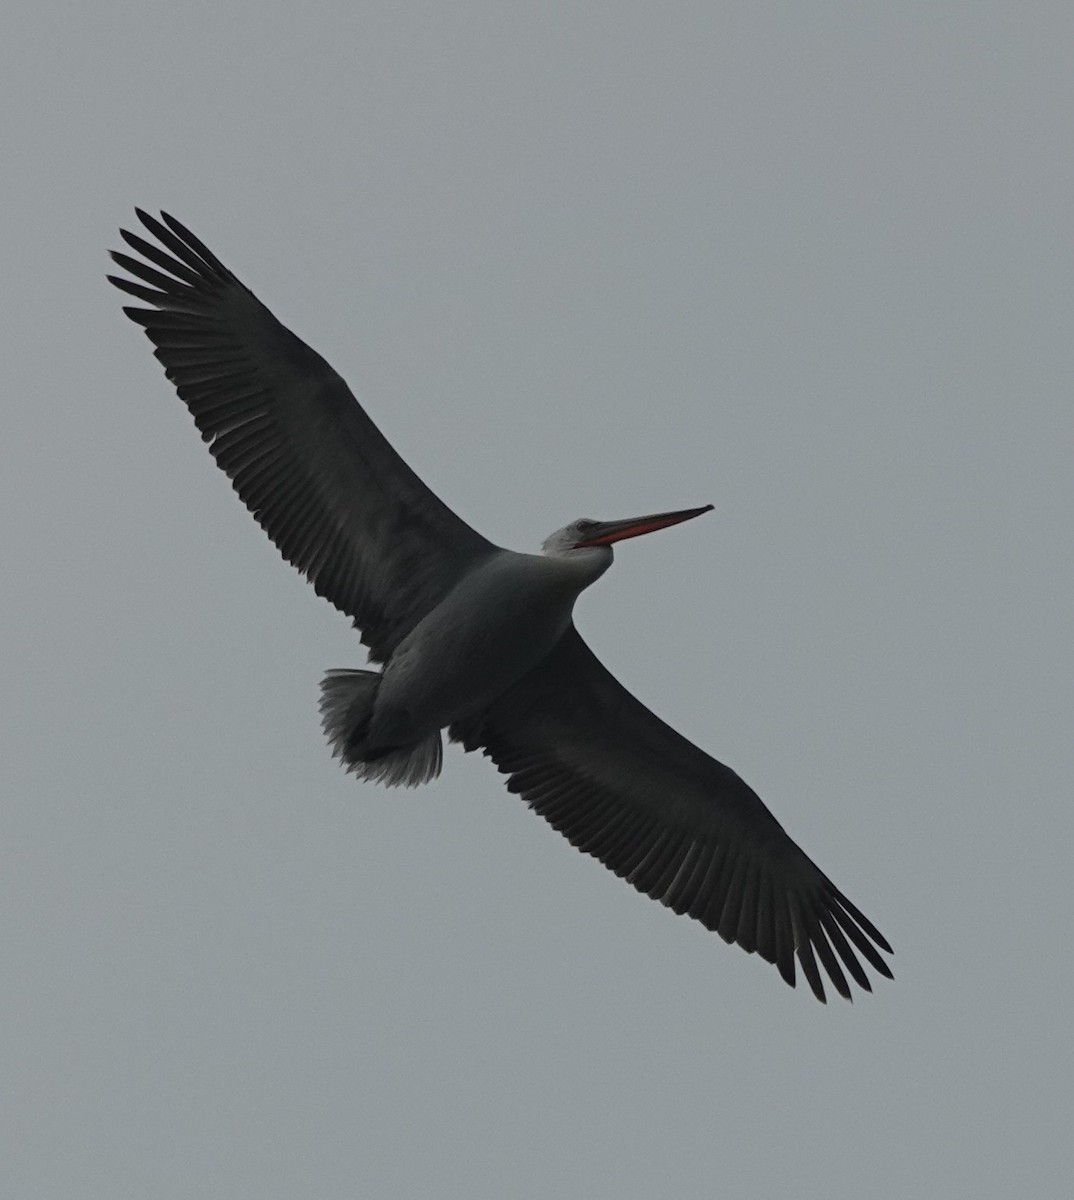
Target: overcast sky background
(810,263)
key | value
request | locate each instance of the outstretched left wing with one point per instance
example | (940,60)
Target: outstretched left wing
(307,461)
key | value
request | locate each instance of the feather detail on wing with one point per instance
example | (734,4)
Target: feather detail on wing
(307,461)
(622,785)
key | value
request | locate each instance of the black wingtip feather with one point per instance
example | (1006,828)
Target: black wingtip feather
(864,922)
(155,254)
(804,949)
(195,243)
(137,289)
(828,960)
(140,316)
(835,936)
(188,249)
(147,274)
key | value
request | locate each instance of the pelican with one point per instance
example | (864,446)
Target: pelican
(474,639)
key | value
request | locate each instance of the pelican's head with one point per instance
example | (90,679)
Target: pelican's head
(586,533)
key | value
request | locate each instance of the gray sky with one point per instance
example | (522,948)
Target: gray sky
(810,263)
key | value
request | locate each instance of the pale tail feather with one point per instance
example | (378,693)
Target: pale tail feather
(347,699)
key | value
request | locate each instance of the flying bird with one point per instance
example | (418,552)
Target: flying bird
(474,639)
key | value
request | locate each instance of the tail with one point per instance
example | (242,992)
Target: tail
(347,699)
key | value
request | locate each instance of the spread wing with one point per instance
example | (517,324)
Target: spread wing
(623,786)
(307,461)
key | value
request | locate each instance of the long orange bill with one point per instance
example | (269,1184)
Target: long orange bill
(607,532)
